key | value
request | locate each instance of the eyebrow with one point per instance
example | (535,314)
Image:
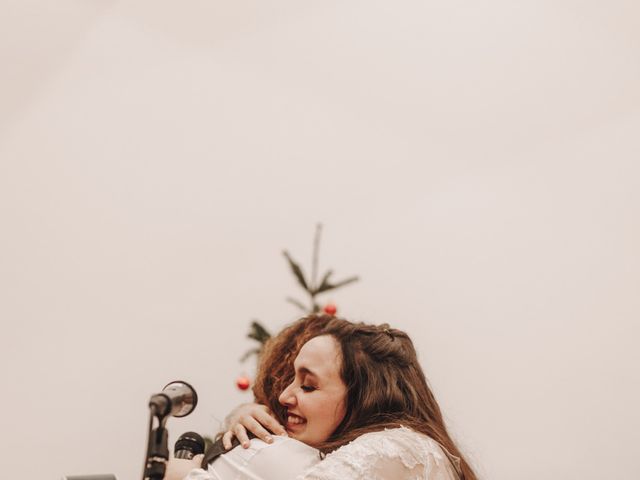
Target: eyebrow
(306,371)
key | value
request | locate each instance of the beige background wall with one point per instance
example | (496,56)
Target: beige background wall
(475,162)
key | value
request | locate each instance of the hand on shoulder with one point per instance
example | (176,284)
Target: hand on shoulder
(251,417)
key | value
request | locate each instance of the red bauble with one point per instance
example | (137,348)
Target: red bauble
(243,383)
(330,309)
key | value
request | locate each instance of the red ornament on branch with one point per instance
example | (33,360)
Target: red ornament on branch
(243,383)
(330,309)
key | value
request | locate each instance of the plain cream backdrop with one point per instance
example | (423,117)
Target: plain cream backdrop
(476,163)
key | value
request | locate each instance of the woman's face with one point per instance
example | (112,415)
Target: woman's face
(315,400)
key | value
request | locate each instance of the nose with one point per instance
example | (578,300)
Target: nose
(287,398)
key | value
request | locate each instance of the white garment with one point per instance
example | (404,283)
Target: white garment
(394,454)
(284,459)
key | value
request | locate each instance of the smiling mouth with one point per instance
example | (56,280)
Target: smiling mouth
(294,421)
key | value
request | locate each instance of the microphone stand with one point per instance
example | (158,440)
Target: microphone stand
(157,446)
(177,399)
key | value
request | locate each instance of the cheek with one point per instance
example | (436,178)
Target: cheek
(320,410)
(334,410)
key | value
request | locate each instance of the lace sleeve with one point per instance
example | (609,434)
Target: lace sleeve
(395,454)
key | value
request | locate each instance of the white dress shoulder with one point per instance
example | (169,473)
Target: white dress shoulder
(393,454)
(284,459)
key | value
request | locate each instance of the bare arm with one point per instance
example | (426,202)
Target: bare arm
(178,468)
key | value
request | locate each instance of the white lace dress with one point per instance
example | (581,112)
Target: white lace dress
(394,454)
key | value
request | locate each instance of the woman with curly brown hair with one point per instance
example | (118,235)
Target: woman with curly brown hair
(357,394)
(275,372)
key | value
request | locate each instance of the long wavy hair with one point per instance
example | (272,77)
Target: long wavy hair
(386,387)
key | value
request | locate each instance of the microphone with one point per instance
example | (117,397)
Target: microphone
(177,399)
(189,445)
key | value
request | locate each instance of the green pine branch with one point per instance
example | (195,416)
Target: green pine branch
(312,288)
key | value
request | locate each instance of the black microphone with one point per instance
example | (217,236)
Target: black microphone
(178,399)
(189,445)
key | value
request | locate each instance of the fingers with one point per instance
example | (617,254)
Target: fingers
(237,431)
(257,419)
(241,434)
(226,439)
(242,410)
(268,421)
(258,430)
